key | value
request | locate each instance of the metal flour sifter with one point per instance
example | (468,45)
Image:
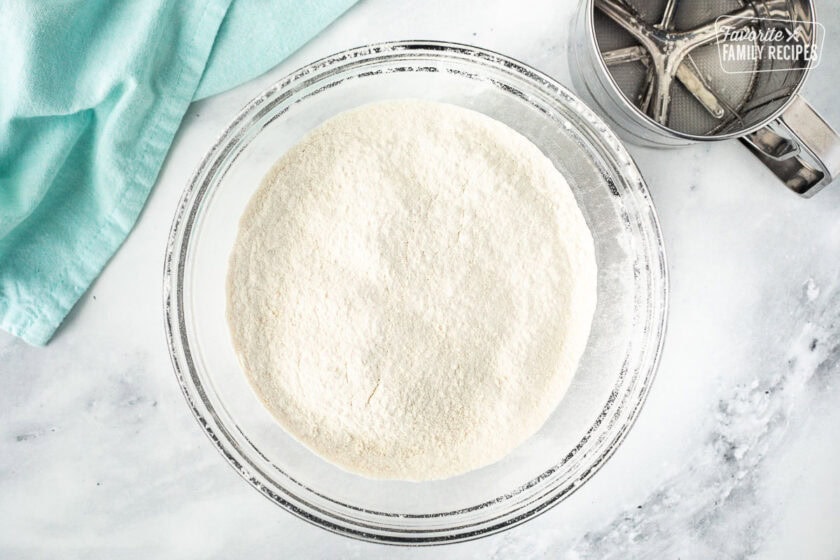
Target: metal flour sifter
(670,73)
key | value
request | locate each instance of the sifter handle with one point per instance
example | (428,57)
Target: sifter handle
(799,147)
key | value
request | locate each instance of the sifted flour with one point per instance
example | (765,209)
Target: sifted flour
(411,289)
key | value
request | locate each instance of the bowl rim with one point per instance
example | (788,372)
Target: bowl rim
(176,329)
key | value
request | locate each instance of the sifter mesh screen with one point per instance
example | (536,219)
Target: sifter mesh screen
(743,92)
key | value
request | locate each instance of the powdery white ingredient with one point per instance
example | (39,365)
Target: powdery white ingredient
(411,290)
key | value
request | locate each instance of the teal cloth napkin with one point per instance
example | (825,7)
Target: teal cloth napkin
(91,95)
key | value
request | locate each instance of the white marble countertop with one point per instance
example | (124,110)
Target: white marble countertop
(735,454)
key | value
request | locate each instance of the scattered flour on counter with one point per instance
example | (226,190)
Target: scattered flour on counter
(411,289)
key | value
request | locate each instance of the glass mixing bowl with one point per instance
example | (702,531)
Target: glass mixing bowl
(612,379)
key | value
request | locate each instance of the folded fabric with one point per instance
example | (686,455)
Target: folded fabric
(91,95)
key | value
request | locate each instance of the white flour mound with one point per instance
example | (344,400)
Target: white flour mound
(411,290)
